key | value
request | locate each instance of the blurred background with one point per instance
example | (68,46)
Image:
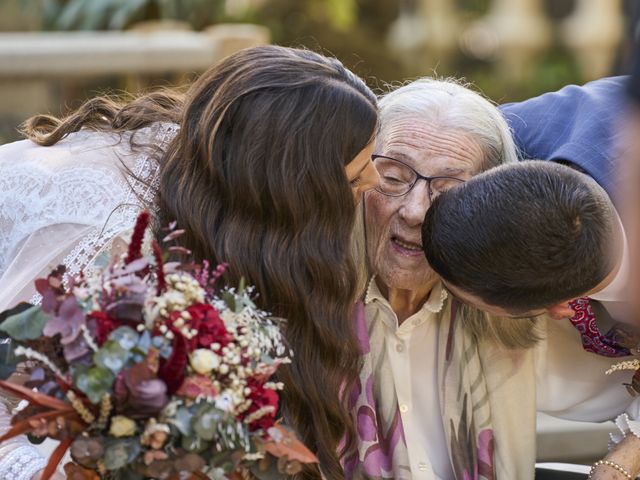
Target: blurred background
(56,53)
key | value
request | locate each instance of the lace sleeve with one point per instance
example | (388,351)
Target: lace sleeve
(19,459)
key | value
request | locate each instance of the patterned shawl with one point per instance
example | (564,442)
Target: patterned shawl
(466,407)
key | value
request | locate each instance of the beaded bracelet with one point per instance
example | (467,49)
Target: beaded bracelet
(610,464)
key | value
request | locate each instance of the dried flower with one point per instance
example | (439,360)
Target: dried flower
(122,426)
(155,434)
(135,246)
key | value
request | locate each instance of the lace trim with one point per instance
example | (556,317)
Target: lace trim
(626,426)
(21,463)
(140,192)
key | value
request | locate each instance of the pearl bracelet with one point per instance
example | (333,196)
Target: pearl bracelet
(610,464)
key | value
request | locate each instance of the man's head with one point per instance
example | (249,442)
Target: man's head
(429,128)
(523,238)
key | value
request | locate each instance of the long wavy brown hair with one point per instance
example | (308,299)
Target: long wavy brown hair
(256,177)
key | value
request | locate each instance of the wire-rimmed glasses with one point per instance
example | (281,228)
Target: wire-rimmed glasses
(397,178)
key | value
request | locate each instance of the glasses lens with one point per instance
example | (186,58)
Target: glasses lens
(395,177)
(442,184)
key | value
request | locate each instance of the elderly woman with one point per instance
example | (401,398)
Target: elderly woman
(448,392)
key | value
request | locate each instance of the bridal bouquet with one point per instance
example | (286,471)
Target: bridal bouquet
(148,369)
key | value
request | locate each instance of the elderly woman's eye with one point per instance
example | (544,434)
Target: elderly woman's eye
(391,179)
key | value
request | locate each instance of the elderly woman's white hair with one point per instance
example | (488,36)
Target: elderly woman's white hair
(451,105)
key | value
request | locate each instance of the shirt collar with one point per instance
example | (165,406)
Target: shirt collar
(434,303)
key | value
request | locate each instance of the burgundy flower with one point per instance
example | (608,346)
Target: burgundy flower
(104,325)
(261,397)
(157,254)
(210,327)
(172,370)
(135,247)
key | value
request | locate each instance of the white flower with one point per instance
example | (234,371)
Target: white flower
(204,361)
(224,402)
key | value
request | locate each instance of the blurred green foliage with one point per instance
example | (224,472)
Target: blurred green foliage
(355,31)
(120,14)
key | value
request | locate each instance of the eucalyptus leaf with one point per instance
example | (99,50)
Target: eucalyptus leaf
(8,359)
(125,336)
(94,382)
(119,452)
(193,444)
(26,325)
(112,356)
(205,422)
(144,344)
(182,421)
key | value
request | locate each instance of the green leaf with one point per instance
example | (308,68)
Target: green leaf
(205,422)
(126,337)
(193,444)
(230,300)
(94,382)
(119,452)
(8,359)
(27,325)
(21,307)
(182,421)
(111,356)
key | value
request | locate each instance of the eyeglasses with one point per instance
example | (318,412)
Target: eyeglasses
(397,178)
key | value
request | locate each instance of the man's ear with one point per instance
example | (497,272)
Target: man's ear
(561,311)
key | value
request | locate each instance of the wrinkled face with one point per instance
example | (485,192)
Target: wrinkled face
(394,239)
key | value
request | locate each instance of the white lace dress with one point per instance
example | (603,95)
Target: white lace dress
(62,204)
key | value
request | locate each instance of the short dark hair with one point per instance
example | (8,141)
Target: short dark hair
(522,236)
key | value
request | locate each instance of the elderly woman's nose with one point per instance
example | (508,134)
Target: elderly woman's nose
(415,204)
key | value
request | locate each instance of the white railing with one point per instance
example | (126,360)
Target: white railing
(84,54)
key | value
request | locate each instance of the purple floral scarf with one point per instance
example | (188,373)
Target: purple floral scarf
(382,452)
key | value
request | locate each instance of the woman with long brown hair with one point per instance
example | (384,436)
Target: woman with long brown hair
(259,162)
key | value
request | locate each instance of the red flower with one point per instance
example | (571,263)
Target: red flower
(172,370)
(157,254)
(261,397)
(104,325)
(211,329)
(135,246)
